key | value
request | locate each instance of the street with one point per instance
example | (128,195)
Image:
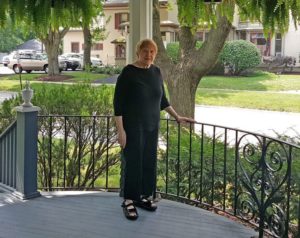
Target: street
(270,123)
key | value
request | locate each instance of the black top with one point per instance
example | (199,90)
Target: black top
(139,97)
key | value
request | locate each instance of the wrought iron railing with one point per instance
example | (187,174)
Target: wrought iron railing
(8,156)
(243,174)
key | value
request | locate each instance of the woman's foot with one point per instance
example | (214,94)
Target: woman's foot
(129,210)
(147,204)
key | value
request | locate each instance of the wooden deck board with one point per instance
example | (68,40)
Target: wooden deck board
(98,214)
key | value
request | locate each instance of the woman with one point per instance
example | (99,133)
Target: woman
(139,97)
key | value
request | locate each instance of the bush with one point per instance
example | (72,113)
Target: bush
(240,55)
(66,144)
(108,69)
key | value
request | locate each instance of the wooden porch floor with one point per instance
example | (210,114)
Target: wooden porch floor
(98,214)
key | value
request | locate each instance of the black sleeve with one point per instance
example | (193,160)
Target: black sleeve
(164,101)
(120,90)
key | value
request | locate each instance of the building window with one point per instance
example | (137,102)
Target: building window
(97,46)
(243,35)
(206,35)
(163,35)
(261,43)
(120,51)
(121,18)
(278,43)
(172,37)
(200,36)
(75,47)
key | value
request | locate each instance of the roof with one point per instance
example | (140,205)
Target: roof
(33,44)
(119,40)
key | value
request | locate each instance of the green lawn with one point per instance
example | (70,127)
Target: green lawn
(261,81)
(249,99)
(259,91)
(80,76)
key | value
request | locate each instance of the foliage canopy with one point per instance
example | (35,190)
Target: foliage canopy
(43,15)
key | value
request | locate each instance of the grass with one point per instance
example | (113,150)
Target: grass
(79,76)
(249,99)
(258,91)
(261,81)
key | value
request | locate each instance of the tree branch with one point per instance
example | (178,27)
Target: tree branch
(161,58)
(207,55)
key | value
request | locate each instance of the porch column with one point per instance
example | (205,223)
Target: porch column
(26,163)
(140,25)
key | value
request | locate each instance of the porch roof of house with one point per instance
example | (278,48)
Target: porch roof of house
(99,214)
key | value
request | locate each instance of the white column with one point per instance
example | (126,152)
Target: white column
(140,26)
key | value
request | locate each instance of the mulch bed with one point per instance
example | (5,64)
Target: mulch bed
(56,78)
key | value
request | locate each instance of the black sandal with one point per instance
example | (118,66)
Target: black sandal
(146,204)
(130,211)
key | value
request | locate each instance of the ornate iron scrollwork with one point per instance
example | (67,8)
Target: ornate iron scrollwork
(263,169)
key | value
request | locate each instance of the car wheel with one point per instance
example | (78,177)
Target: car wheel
(46,69)
(17,69)
(28,71)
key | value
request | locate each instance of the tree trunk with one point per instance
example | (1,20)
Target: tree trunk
(184,77)
(87,47)
(182,93)
(51,42)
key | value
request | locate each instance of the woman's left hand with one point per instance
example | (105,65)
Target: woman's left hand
(180,119)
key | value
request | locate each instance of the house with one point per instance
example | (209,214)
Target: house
(278,45)
(112,50)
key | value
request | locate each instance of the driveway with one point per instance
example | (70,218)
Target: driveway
(5,70)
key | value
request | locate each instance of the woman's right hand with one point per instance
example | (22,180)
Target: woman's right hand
(122,138)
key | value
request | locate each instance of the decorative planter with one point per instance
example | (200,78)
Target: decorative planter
(27,94)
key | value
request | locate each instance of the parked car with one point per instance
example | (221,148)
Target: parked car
(68,63)
(96,62)
(29,60)
(5,60)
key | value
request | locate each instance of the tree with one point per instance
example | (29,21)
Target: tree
(11,36)
(50,20)
(96,34)
(183,76)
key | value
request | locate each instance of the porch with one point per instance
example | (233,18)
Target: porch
(98,214)
(245,175)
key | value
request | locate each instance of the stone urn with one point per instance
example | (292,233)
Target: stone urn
(27,94)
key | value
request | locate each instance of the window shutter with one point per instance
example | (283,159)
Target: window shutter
(117,20)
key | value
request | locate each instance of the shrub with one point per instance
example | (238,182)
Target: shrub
(108,69)
(72,150)
(240,55)
(80,99)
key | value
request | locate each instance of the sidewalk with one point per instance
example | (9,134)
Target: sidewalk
(270,123)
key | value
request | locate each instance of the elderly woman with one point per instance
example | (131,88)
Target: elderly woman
(139,98)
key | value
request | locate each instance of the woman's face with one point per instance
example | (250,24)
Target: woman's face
(147,55)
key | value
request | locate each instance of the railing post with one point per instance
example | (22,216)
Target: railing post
(26,164)
(27,137)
